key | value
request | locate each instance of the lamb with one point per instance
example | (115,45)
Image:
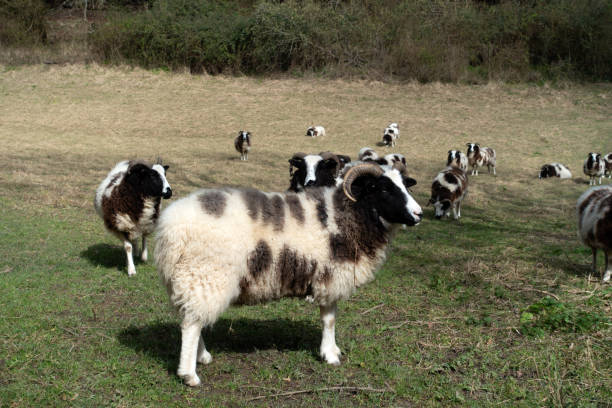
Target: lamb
(314,170)
(129,201)
(608,165)
(594,211)
(448,190)
(242,143)
(478,157)
(594,167)
(218,247)
(367,153)
(390,135)
(315,131)
(555,170)
(457,159)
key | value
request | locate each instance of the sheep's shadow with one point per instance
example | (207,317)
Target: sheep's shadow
(163,340)
(106,255)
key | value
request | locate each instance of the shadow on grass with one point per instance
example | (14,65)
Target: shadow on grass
(163,340)
(106,255)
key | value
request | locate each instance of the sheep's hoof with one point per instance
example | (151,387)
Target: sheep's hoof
(332,358)
(131,272)
(191,380)
(205,358)
(606,277)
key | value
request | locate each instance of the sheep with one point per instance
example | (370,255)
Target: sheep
(390,135)
(555,170)
(367,153)
(594,212)
(448,190)
(315,131)
(129,201)
(594,167)
(314,170)
(242,143)
(457,159)
(393,158)
(478,157)
(608,165)
(218,247)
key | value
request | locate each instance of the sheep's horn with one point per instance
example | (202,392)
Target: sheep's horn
(356,172)
(399,166)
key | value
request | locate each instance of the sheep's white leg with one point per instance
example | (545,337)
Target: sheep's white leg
(494,173)
(329,350)
(456,210)
(608,271)
(204,356)
(190,335)
(127,245)
(144,255)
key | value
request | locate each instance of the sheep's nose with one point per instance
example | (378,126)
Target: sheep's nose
(167,194)
(418,215)
(310,183)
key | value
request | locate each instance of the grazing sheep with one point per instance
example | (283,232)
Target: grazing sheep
(555,170)
(594,211)
(608,165)
(129,201)
(390,135)
(314,170)
(448,190)
(478,157)
(315,131)
(366,154)
(226,246)
(457,159)
(242,143)
(594,167)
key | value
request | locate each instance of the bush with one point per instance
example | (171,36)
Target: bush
(22,22)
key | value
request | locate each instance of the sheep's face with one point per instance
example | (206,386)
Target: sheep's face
(311,132)
(547,171)
(592,159)
(473,148)
(441,207)
(149,181)
(387,139)
(314,171)
(452,156)
(388,195)
(244,135)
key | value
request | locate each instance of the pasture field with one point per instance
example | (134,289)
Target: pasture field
(499,309)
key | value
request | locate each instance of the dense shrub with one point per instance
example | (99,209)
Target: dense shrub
(22,22)
(412,39)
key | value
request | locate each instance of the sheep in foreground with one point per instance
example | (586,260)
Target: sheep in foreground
(457,159)
(594,211)
(555,170)
(448,190)
(315,131)
(480,156)
(242,143)
(129,201)
(226,246)
(594,167)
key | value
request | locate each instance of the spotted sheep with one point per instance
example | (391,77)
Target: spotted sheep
(218,247)
(555,170)
(315,131)
(315,170)
(594,167)
(448,190)
(457,159)
(608,165)
(242,143)
(367,153)
(594,212)
(480,156)
(390,135)
(129,202)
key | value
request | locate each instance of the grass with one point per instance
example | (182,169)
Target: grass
(439,326)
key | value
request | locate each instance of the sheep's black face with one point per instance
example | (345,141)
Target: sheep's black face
(388,195)
(441,207)
(472,148)
(387,139)
(547,171)
(313,171)
(148,181)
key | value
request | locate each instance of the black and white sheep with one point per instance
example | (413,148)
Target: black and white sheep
(608,165)
(242,143)
(594,211)
(457,159)
(315,131)
(480,156)
(594,167)
(129,201)
(555,170)
(390,135)
(218,247)
(448,190)
(315,170)
(367,153)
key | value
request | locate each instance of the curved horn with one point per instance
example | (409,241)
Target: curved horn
(356,172)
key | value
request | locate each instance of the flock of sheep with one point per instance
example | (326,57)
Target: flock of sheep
(320,240)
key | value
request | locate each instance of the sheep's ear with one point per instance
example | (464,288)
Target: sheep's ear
(409,182)
(166,168)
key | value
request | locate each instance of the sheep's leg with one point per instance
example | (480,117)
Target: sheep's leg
(608,271)
(127,245)
(594,265)
(329,350)
(494,173)
(457,210)
(190,335)
(144,255)
(204,356)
